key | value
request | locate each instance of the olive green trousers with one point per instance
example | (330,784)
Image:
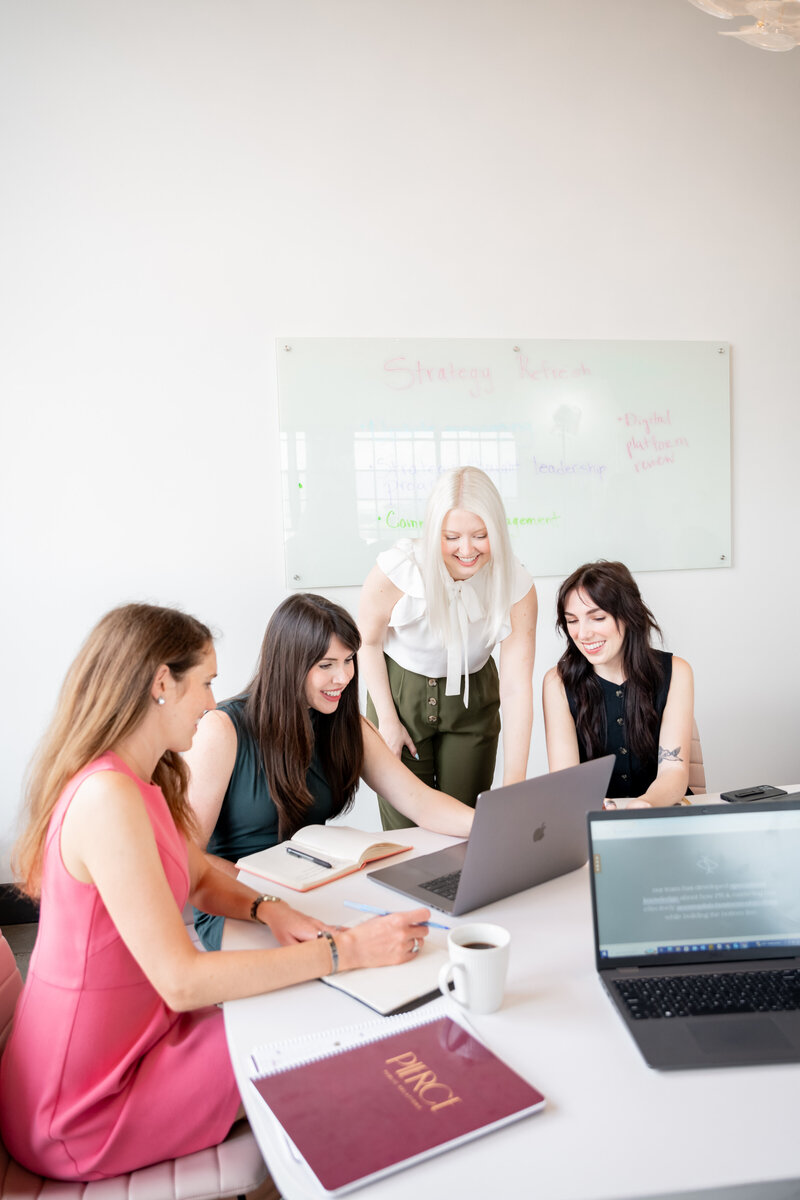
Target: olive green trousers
(457,746)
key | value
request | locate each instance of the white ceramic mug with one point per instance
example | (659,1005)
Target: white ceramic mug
(477,966)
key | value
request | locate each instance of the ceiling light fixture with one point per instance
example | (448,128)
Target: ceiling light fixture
(777,22)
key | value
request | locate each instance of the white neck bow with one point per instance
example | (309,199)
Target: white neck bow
(464,607)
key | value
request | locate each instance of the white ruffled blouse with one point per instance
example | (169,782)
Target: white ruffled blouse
(411,641)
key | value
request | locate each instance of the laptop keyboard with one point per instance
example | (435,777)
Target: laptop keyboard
(711,995)
(444,885)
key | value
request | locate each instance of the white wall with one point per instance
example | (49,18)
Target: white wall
(185,180)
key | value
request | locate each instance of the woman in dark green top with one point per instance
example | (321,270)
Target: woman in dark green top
(290,751)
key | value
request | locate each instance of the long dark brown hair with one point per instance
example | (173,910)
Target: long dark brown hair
(611,587)
(105,696)
(277,715)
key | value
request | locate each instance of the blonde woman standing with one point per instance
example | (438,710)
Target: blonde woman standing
(432,611)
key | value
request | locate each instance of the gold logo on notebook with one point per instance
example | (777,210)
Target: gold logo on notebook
(423,1081)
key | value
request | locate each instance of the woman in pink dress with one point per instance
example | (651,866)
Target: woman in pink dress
(118,1058)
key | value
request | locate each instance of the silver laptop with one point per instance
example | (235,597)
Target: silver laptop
(522,835)
(697,930)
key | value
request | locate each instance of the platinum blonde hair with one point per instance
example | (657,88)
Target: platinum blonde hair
(471,490)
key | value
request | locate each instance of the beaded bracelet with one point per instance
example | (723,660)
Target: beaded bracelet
(334,950)
(261,900)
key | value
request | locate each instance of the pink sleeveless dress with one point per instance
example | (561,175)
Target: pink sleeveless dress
(99,1076)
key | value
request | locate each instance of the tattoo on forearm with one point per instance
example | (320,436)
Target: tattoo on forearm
(669,755)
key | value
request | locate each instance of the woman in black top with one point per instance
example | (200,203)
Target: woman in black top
(612,693)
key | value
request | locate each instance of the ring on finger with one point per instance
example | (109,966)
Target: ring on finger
(415,947)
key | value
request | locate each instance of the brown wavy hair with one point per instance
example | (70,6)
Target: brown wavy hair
(611,587)
(105,696)
(277,716)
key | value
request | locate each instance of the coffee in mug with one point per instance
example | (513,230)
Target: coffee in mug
(477,966)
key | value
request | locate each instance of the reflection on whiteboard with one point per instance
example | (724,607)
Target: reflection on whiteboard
(599,449)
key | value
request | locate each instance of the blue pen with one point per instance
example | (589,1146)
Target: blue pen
(381,912)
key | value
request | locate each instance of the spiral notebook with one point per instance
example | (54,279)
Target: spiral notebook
(358,1103)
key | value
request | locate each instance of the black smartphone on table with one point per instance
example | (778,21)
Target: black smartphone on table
(763,791)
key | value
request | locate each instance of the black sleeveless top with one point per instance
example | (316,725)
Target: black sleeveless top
(631,776)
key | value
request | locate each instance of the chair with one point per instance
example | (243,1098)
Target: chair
(697,771)
(233,1167)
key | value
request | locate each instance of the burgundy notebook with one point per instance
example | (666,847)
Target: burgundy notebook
(410,1087)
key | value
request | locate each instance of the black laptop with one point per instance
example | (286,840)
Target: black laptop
(522,835)
(697,930)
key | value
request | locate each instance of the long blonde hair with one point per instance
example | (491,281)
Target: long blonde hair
(105,696)
(472,490)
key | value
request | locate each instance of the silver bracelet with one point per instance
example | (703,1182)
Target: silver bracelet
(334,950)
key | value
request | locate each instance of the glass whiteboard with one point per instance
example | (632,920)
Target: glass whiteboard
(599,449)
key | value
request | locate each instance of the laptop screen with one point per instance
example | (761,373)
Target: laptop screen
(707,883)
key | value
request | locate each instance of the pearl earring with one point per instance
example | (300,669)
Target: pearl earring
(160,700)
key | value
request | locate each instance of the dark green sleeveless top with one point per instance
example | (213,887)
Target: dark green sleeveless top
(248,818)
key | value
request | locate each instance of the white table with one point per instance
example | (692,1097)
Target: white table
(612,1126)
